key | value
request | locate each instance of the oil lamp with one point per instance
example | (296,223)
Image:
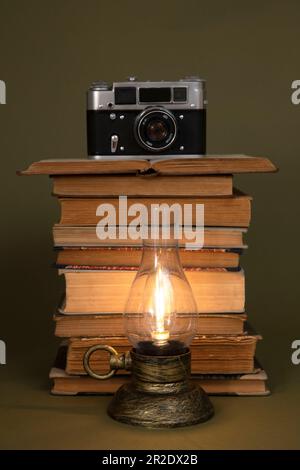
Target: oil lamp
(160,321)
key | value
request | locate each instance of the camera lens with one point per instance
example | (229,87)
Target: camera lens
(155,129)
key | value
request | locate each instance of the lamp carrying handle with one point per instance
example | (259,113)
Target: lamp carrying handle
(116,361)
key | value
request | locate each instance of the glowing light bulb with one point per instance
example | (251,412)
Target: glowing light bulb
(162,312)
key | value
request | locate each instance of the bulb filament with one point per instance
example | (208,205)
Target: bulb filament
(162,308)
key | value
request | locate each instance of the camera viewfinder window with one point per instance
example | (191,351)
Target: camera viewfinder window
(125,95)
(155,95)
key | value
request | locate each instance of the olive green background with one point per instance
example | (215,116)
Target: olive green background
(49,54)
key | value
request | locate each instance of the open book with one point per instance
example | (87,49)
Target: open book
(183,165)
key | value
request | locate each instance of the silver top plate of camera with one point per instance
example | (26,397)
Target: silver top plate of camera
(187,93)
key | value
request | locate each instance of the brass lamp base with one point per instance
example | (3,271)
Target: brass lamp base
(160,394)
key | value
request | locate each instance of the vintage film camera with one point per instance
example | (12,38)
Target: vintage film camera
(150,119)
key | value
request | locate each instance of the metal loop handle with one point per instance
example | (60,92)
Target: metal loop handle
(86,361)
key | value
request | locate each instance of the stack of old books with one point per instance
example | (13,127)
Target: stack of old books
(98,272)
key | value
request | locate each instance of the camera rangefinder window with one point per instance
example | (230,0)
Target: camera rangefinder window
(156,129)
(155,95)
(179,94)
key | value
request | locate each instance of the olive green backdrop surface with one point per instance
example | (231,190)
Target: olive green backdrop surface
(49,54)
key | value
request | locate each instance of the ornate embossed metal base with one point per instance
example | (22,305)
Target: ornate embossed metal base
(160,394)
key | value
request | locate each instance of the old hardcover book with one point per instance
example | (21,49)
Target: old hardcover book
(184,165)
(141,185)
(211,354)
(92,291)
(112,324)
(86,236)
(131,256)
(254,384)
(231,211)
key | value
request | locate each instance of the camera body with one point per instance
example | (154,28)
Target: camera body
(149,118)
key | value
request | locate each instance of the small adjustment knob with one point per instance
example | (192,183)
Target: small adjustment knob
(191,78)
(114,143)
(100,85)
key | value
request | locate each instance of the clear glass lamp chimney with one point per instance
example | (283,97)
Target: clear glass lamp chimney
(161,313)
